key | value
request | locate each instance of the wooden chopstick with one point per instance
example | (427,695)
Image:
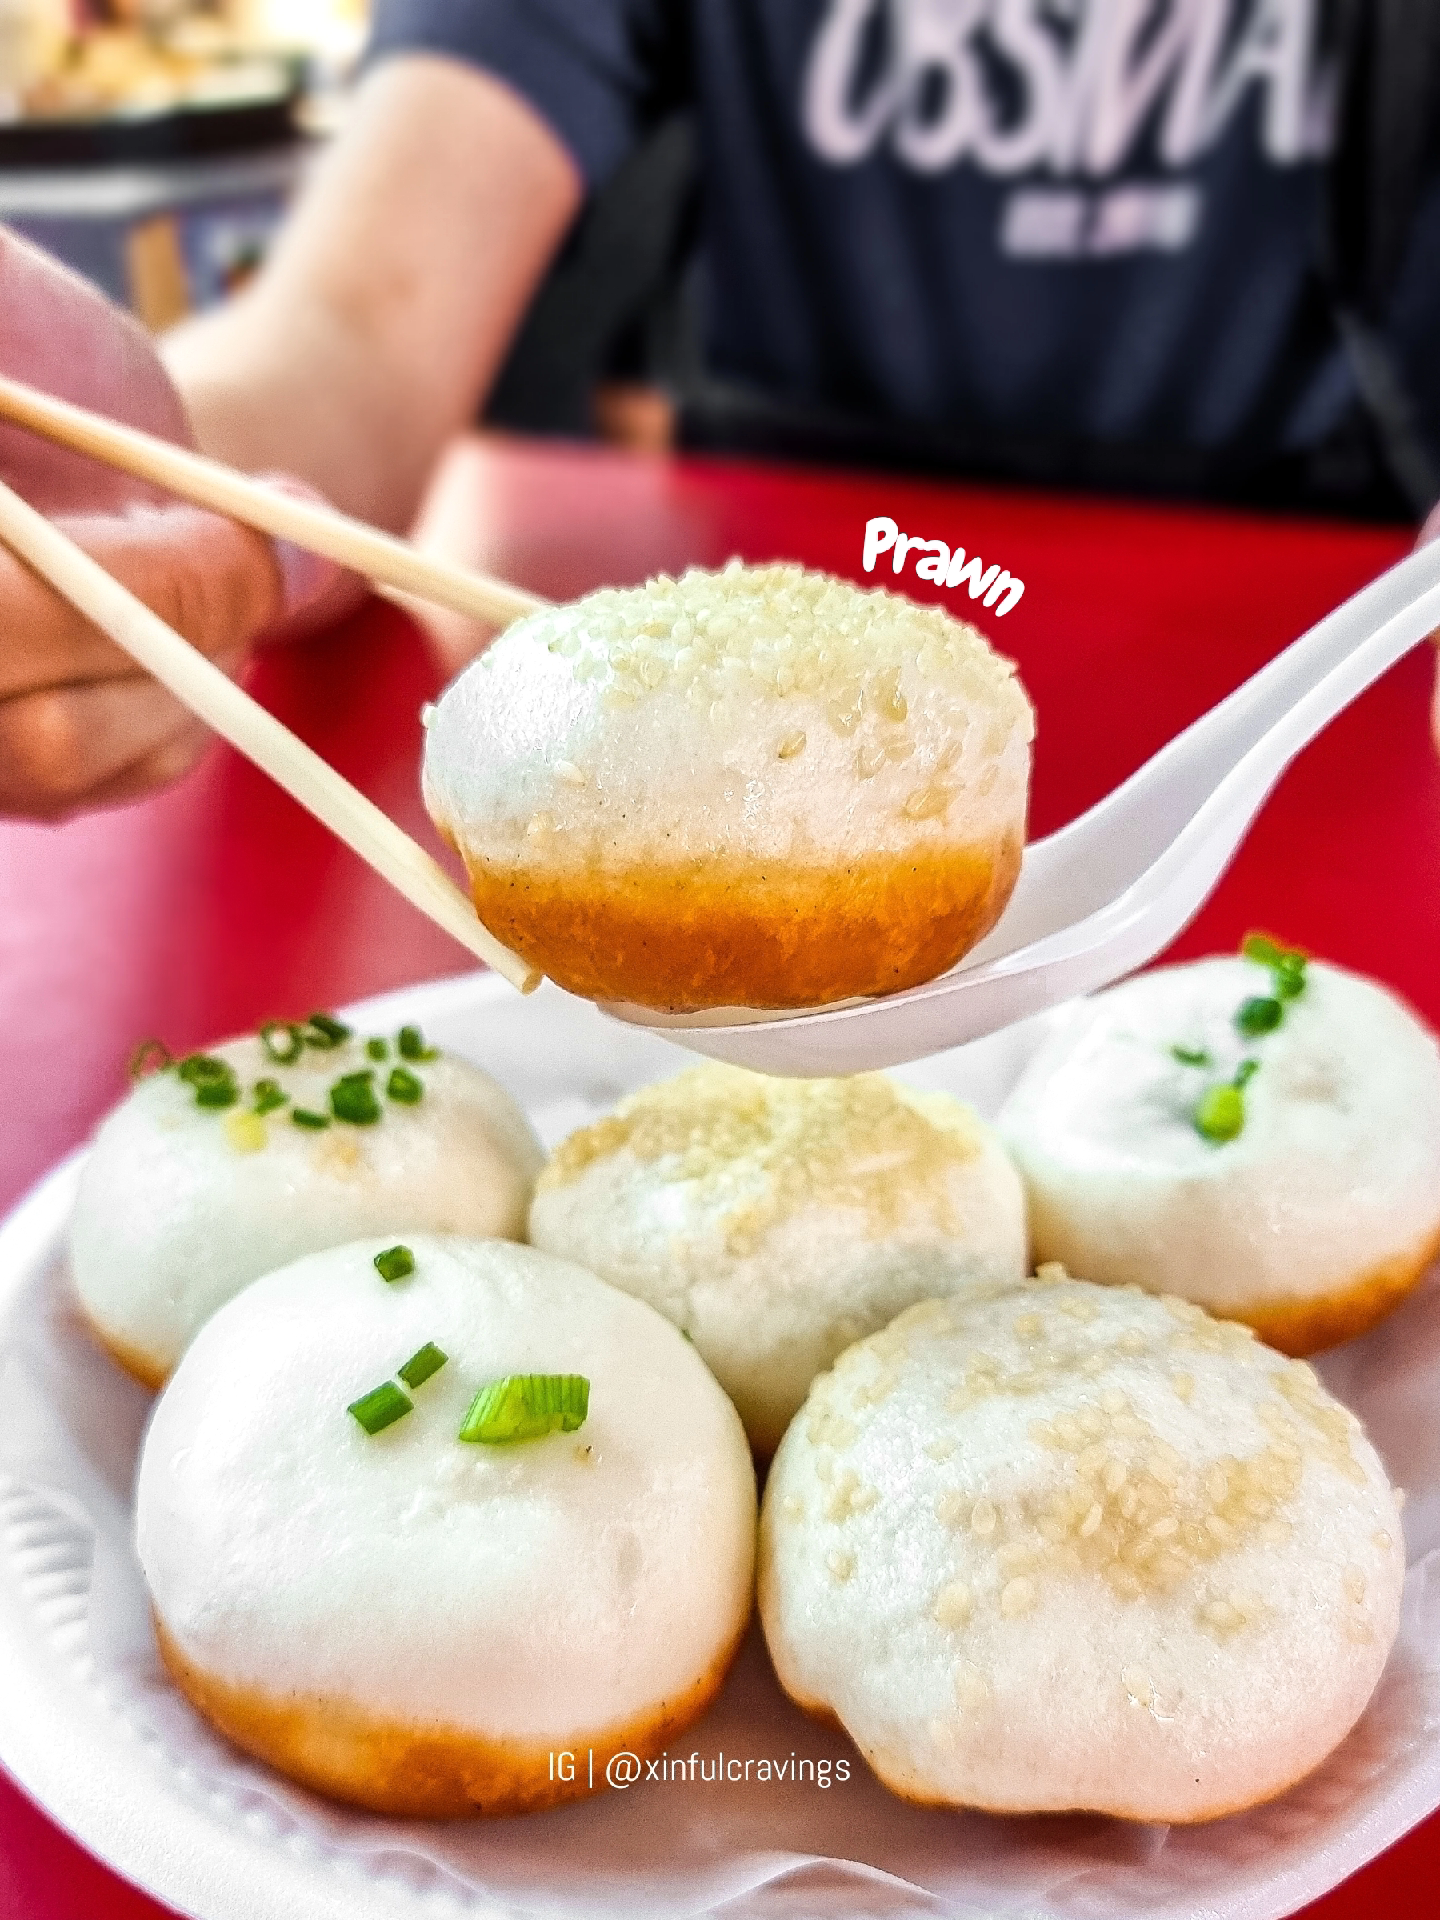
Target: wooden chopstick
(208,483)
(200,685)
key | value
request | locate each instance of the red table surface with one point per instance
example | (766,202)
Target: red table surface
(206,909)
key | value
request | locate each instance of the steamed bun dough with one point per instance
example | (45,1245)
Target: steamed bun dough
(775,1221)
(759,787)
(1312,1223)
(412,1622)
(180,1205)
(1075,1547)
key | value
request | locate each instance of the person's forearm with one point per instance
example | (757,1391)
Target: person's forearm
(269,392)
(392,295)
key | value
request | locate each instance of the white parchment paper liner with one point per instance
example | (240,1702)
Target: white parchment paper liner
(73,1615)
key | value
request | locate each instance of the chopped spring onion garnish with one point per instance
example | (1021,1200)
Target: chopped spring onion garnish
(1259,1015)
(419,1367)
(378,1049)
(394,1263)
(1269,952)
(1286,964)
(198,1068)
(151,1056)
(525,1406)
(213,1080)
(269,1094)
(324,1031)
(352,1098)
(283,1041)
(411,1043)
(1221,1113)
(303,1117)
(1190,1056)
(382,1408)
(404,1086)
(1289,977)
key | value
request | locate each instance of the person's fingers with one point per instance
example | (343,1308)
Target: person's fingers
(305,577)
(218,583)
(59,333)
(165,763)
(70,747)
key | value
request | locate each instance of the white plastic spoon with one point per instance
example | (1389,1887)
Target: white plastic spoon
(1106,893)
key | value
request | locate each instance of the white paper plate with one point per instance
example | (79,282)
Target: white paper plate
(91,1728)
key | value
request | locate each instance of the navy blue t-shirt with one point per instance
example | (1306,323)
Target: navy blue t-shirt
(1084,222)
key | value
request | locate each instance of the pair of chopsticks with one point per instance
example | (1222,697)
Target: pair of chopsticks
(200,685)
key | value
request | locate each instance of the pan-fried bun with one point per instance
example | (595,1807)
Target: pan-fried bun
(759,787)
(419,1624)
(182,1204)
(1310,1224)
(776,1221)
(1078,1547)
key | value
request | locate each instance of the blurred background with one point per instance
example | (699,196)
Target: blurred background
(153,144)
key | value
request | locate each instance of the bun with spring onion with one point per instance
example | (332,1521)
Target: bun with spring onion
(225,1165)
(1258,1134)
(412,1529)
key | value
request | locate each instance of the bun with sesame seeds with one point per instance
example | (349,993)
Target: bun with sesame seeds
(775,1221)
(759,787)
(1070,1547)
(1313,1218)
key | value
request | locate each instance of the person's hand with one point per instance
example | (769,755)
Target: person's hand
(80,725)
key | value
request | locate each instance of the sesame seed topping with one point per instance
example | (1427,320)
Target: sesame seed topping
(928,803)
(781,632)
(1140,1500)
(1136,1683)
(952,1509)
(953,1605)
(1017,1597)
(861,1142)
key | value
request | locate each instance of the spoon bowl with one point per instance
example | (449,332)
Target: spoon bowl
(1108,892)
